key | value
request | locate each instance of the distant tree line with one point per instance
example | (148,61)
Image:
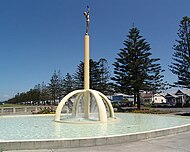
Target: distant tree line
(135,70)
(60,86)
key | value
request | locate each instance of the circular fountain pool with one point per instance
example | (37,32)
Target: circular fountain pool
(43,129)
(44,126)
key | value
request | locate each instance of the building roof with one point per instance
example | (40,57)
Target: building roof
(121,94)
(146,95)
(187,92)
(171,94)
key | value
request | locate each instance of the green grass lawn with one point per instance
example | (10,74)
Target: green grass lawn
(12,105)
(150,111)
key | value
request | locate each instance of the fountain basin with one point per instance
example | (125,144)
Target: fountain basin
(41,132)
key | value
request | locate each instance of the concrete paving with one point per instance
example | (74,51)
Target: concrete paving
(172,143)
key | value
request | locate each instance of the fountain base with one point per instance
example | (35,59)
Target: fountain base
(101,100)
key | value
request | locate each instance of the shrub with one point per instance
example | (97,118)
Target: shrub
(46,110)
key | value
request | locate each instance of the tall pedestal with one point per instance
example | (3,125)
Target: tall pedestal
(86,76)
(86,62)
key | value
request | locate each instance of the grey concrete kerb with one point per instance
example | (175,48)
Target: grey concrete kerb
(85,142)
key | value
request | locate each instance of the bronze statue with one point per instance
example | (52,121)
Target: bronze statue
(87,15)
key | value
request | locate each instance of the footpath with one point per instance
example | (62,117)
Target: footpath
(172,143)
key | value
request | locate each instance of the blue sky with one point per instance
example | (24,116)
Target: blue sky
(40,36)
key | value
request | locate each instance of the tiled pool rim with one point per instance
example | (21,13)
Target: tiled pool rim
(90,141)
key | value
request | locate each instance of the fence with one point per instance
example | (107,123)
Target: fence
(21,110)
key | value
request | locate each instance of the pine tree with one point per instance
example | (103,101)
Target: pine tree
(56,86)
(44,93)
(36,94)
(104,84)
(99,75)
(68,84)
(181,57)
(134,70)
(79,76)
(60,89)
(94,74)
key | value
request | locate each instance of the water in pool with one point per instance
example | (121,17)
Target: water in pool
(44,127)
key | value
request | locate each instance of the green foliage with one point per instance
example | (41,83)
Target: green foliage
(56,86)
(94,74)
(68,84)
(104,85)
(79,76)
(150,111)
(181,57)
(99,76)
(44,93)
(35,95)
(60,86)
(46,110)
(134,69)
(11,105)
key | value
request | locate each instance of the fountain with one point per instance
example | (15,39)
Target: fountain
(42,132)
(87,94)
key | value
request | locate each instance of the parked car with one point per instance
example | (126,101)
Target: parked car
(121,105)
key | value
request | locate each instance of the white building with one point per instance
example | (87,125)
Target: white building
(158,98)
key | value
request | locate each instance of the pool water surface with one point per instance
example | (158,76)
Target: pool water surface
(39,127)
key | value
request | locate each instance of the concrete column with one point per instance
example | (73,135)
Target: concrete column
(86,62)
(14,110)
(36,109)
(25,109)
(86,76)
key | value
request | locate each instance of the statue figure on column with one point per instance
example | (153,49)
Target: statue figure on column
(87,15)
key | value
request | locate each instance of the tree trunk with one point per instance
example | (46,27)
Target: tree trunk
(138,101)
(135,98)
(54,101)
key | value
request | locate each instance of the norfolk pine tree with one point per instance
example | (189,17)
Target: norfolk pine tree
(104,85)
(94,75)
(68,84)
(134,70)
(56,86)
(99,75)
(79,76)
(181,57)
